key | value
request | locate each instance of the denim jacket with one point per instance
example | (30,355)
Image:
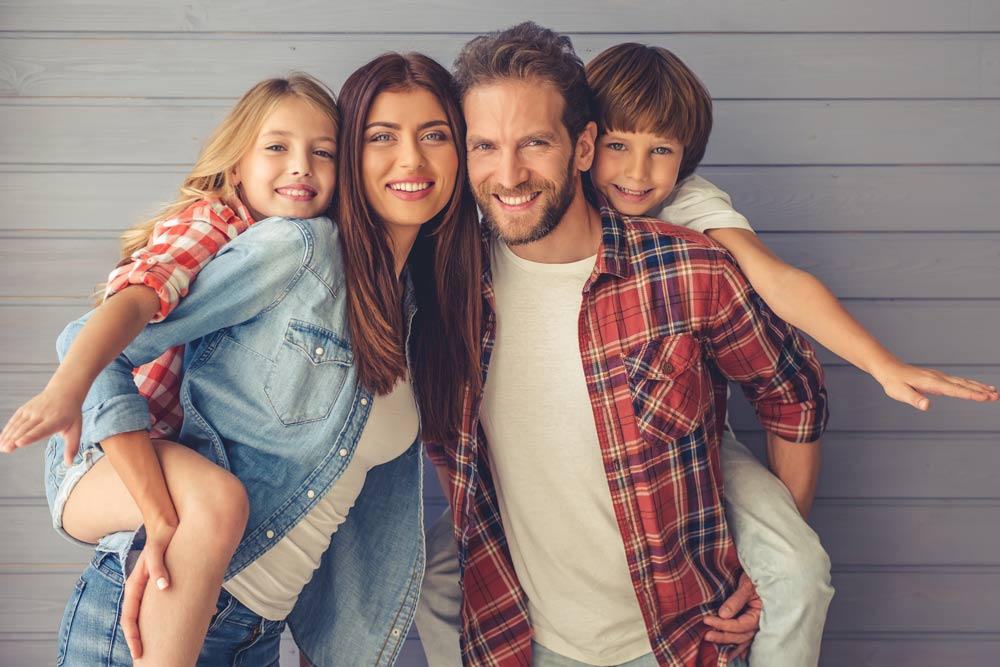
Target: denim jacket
(270,393)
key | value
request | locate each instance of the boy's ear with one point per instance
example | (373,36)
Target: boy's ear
(585,146)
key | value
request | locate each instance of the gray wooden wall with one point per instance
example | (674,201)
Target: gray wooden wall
(861,137)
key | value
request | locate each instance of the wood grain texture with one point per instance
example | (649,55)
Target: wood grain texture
(830,66)
(457,17)
(775,199)
(747,132)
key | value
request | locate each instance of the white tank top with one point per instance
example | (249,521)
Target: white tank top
(271,585)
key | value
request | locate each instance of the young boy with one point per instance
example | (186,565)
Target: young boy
(654,120)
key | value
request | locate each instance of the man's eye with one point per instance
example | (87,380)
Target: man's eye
(482,146)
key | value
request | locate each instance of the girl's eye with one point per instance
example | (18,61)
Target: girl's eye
(663,150)
(615,145)
(274,147)
(322,153)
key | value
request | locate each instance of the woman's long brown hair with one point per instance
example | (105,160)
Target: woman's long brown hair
(445,261)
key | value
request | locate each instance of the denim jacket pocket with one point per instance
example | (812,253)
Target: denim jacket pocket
(670,390)
(308,373)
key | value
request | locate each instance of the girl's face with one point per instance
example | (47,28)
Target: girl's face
(290,169)
(409,162)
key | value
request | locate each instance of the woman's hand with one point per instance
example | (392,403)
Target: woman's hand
(149,566)
(909,384)
(55,410)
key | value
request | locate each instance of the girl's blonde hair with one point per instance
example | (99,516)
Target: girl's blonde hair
(211,176)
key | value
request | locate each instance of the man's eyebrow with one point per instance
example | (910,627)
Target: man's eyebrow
(543,136)
(476,139)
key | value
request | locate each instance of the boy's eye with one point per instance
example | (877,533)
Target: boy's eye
(663,150)
(615,145)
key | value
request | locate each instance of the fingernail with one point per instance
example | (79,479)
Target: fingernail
(162,583)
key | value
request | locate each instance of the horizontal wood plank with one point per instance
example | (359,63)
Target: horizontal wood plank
(453,16)
(833,66)
(913,650)
(747,132)
(914,330)
(775,199)
(855,266)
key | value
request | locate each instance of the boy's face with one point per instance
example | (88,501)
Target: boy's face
(636,170)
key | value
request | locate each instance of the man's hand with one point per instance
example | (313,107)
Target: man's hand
(728,628)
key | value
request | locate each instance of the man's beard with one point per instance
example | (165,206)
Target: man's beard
(558,195)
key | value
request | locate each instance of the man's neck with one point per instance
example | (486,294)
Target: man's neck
(576,237)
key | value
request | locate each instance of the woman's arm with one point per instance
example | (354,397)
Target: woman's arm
(803,301)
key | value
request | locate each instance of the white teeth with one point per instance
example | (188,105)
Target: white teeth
(517,201)
(296,193)
(632,192)
(410,187)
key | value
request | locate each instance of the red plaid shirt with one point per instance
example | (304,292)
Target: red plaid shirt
(666,319)
(177,250)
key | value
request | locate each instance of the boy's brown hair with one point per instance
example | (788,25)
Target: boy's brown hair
(643,88)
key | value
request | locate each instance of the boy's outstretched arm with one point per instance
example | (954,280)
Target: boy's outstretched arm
(803,301)
(57,409)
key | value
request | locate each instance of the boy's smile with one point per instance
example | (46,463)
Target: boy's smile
(636,171)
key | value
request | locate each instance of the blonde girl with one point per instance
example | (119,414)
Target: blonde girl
(273,155)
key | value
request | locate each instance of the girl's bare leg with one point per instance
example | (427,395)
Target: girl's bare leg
(212,512)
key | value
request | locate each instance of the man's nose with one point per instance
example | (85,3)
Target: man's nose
(511,172)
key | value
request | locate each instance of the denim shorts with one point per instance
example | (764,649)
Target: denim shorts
(90,633)
(60,479)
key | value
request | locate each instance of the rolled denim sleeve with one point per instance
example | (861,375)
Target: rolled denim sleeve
(247,276)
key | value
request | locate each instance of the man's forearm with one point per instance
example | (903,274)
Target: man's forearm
(796,464)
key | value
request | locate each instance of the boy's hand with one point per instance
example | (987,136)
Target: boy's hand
(727,628)
(908,384)
(52,411)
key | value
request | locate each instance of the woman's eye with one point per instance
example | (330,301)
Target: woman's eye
(381,136)
(436,136)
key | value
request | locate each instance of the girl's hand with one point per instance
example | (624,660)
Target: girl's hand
(149,566)
(55,410)
(908,384)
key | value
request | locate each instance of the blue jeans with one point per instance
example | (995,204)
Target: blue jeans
(91,635)
(543,657)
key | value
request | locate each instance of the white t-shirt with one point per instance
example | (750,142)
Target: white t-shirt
(697,204)
(551,487)
(271,585)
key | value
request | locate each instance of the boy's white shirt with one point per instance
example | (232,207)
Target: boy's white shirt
(697,204)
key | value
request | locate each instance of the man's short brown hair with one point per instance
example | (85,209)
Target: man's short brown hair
(529,52)
(641,88)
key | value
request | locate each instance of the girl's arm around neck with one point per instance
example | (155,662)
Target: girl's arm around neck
(803,301)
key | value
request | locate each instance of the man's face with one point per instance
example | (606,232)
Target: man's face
(524,170)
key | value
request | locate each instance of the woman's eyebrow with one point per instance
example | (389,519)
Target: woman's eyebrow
(397,126)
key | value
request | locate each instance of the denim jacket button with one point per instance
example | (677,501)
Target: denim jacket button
(319,352)
(270,534)
(310,494)
(395,632)
(343,452)
(364,401)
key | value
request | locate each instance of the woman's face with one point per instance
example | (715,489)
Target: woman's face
(409,162)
